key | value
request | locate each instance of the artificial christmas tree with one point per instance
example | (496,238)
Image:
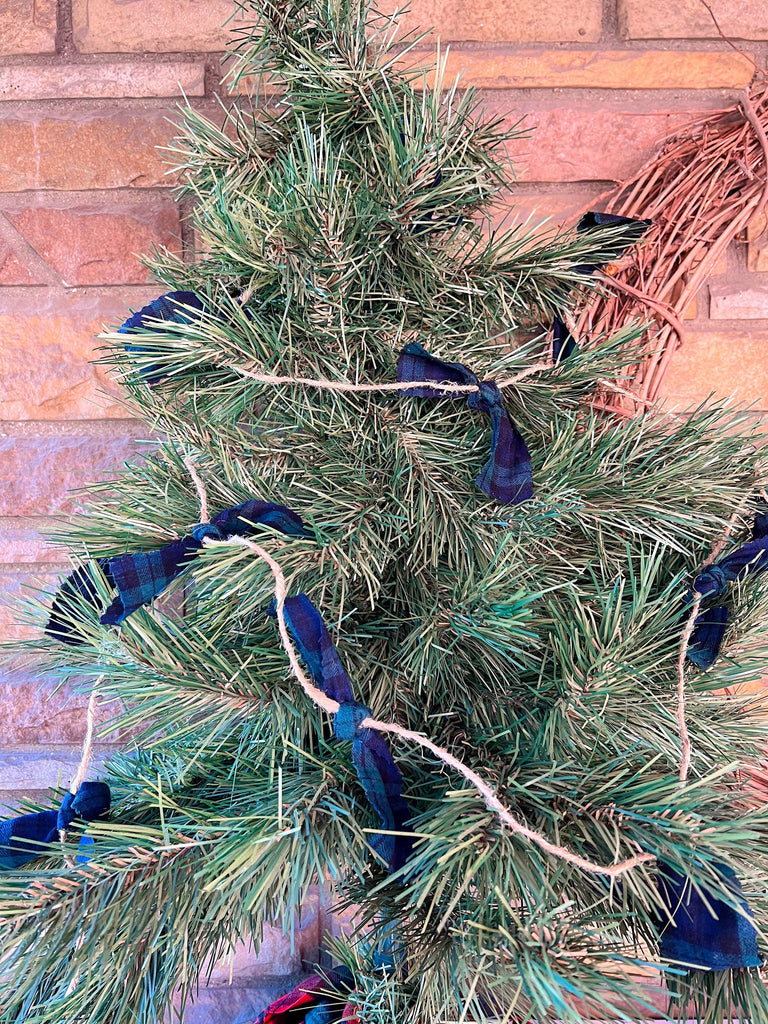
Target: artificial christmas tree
(393,607)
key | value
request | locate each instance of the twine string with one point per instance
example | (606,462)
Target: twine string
(350,387)
(85,756)
(331,706)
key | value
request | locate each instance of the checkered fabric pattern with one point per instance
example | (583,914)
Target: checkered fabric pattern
(142,576)
(378,774)
(706,934)
(173,307)
(507,475)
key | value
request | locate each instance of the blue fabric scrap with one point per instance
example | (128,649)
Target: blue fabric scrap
(748,559)
(563,342)
(144,575)
(22,839)
(507,475)
(173,307)
(706,936)
(378,774)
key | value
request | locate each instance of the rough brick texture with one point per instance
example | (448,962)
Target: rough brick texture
(690,19)
(48,342)
(598,69)
(84,81)
(43,470)
(85,99)
(114,151)
(27,26)
(713,362)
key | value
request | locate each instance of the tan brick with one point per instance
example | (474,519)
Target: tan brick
(45,352)
(177,25)
(40,472)
(86,81)
(601,69)
(498,21)
(159,26)
(89,245)
(738,301)
(690,19)
(582,143)
(12,269)
(35,711)
(27,26)
(29,768)
(21,541)
(726,363)
(757,244)
(111,152)
(546,210)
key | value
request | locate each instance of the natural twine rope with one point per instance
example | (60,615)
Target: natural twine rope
(331,707)
(85,757)
(349,387)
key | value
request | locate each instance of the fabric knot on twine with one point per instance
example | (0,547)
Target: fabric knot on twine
(712,582)
(24,838)
(346,723)
(507,476)
(206,530)
(144,575)
(749,559)
(375,767)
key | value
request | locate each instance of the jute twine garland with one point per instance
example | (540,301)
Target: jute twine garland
(85,757)
(331,707)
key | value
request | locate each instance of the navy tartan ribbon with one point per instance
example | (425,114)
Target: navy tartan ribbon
(173,307)
(746,560)
(378,774)
(22,839)
(143,575)
(563,342)
(507,475)
(706,934)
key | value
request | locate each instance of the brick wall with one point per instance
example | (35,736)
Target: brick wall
(86,87)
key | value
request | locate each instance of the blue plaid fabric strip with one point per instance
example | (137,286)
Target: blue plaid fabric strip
(173,307)
(76,591)
(22,839)
(711,935)
(507,475)
(748,559)
(142,576)
(378,774)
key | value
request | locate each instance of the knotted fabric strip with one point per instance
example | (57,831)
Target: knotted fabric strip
(563,342)
(173,307)
(748,559)
(378,774)
(22,839)
(142,576)
(506,476)
(706,934)
(77,589)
